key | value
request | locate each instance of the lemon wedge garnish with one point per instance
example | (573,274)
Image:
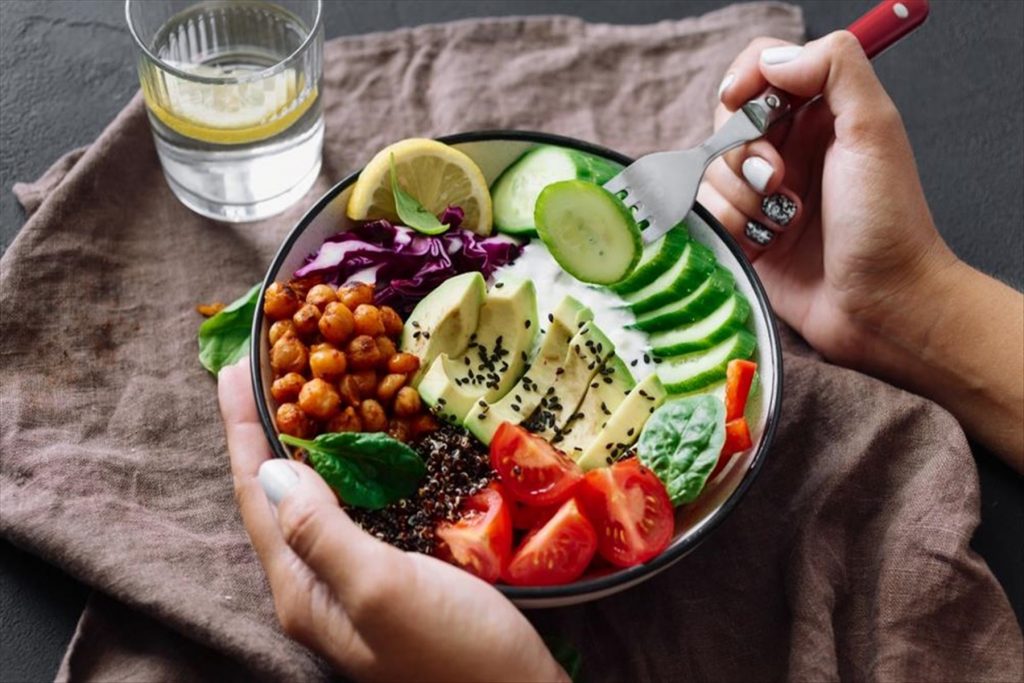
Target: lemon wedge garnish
(436,175)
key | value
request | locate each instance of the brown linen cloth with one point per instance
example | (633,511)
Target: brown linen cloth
(849,558)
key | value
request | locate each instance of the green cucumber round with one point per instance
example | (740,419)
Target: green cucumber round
(686,374)
(656,259)
(687,274)
(703,334)
(589,232)
(514,194)
(698,304)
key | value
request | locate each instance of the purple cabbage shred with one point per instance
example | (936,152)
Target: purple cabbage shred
(406,265)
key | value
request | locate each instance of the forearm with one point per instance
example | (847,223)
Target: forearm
(960,342)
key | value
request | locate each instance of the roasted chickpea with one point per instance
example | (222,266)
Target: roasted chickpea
(306,320)
(399,429)
(367,318)
(349,388)
(387,350)
(372,415)
(290,419)
(407,402)
(280,329)
(280,302)
(336,324)
(363,353)
(345,421)
(327,363)
(321,295)
(405,363)
(319,399)
(289,354)
(320,346)
(389,386)
(355,294)
(424,423)
(366,382)
(392,321)
(286,389)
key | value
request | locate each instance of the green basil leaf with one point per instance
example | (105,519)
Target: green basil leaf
(411,211)
(681,442)
(224,338)
(368,470)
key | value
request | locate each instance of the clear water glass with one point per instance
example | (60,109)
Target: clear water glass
(232,90)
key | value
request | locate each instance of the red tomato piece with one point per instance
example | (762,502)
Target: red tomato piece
(737,439)
(739,374)
(530,517)
(557,552)
(631,512)
(531,469)
(481,540)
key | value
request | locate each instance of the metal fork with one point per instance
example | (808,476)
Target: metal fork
(660,188)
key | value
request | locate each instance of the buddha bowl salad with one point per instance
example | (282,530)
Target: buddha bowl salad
(529,404)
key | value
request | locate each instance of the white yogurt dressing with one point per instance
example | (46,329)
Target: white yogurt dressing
(610,314)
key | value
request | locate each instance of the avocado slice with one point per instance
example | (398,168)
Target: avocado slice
(588,349)
(443,320)
(522,399)
(607,390)
(495,355)
(624,426)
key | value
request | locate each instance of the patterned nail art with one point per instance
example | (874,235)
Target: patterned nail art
(758,234)
(779,208)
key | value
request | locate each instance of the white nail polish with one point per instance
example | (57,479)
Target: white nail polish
(781,54)
(277,478)
(758,172)
(726,82)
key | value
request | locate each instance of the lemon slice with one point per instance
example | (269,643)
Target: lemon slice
(228,113)
(434,173)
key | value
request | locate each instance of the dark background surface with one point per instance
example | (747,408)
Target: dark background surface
(66,69)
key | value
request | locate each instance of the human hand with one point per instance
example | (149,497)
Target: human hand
(853,245)
(373,611)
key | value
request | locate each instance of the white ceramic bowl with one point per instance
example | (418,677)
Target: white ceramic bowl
(493,151)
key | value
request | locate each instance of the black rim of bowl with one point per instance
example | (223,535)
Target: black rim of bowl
(675,552)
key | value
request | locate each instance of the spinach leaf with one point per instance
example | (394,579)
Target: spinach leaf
(224,338)
(368,470)
(411,211)
(566,654)
(681,442)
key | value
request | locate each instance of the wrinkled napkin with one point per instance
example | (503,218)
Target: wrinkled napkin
(848,559)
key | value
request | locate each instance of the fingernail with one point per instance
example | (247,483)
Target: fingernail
(779,208)
(277,478)
(758,234)
(781,54)
(758,172)
(726,82)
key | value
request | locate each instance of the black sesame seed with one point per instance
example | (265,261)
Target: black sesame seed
(499,285)
(634,362)
(528,323)
(551,317)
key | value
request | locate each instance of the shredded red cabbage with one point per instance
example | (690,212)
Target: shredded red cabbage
(406,265)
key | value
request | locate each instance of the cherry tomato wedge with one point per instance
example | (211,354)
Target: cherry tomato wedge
(481,540)
(630,510)
(532,470)
(530,517)
(739,374)
(557,552)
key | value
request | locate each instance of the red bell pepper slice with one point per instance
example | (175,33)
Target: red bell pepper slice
(737,440)
(739,374)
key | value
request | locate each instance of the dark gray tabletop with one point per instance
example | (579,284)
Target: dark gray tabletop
(66,69)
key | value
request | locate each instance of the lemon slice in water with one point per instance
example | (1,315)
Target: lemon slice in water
(434,173)
(228,113)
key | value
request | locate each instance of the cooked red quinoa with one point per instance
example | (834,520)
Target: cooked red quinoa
(457,467)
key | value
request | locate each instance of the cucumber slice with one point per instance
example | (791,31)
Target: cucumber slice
(704,334)
(695,306)
(683,374)
(591,234)
(656,259)
(515,192)
(688,273)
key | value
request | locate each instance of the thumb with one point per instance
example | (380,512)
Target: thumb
(836,68)
(319,532)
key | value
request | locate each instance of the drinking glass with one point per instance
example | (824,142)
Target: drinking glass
(232,90)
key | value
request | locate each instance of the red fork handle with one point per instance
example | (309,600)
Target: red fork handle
(888,22)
